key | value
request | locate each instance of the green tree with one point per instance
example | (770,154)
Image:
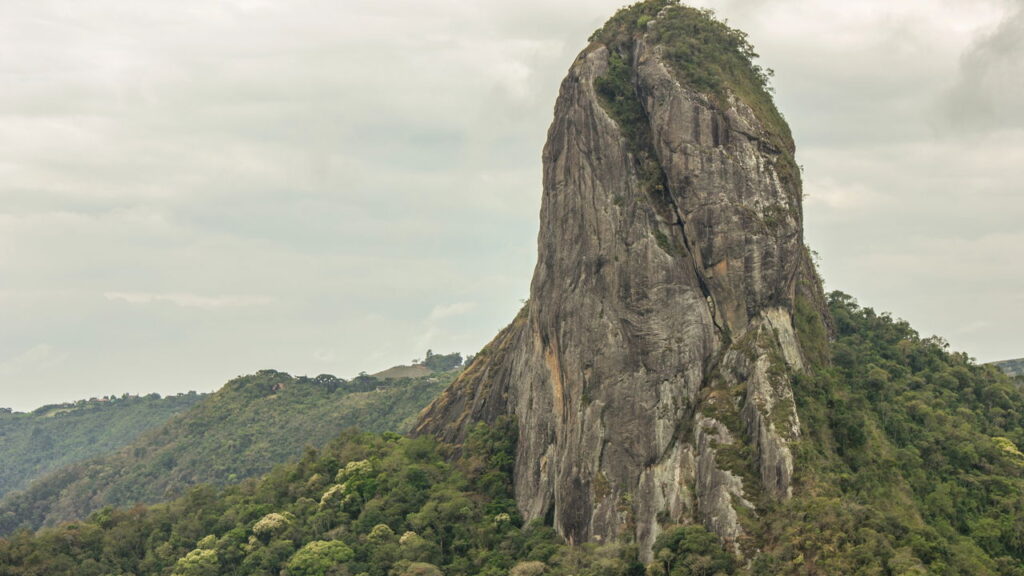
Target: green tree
(319,558)
(199,562)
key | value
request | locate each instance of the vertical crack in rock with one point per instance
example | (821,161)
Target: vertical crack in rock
(680,223)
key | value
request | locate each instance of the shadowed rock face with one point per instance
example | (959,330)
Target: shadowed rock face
(658,342)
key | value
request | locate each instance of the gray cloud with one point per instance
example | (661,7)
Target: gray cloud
(192,190)
(989,92)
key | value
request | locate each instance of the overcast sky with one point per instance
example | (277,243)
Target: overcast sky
(193,189)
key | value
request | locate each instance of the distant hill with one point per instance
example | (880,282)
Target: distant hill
(430,364)
(1011,367)
(414,371)
(242,430)
(37,442)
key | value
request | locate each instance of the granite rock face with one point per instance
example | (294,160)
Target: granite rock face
(650,370)
(1011,368)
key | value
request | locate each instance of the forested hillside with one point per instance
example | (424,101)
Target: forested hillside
(242,430)
(34,443)
(908,464)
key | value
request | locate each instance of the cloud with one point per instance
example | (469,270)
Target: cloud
(441,312)
(989,91)
(325,355)
(843,196)
(191,300)
(32,361)
(376,168)
(974,327)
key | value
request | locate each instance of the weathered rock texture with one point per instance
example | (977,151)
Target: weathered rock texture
(1011,367)
(649,373)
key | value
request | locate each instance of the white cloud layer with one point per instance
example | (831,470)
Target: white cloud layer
(298,185)
(190,300)
(24,366)
(458,309)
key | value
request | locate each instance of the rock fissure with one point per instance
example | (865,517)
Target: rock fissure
(697,271)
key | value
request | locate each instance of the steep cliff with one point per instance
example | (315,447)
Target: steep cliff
(651,367)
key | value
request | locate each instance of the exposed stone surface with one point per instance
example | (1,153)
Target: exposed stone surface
(659,330)
(1011,367)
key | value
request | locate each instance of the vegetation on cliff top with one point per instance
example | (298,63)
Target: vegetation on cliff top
(706,54)
(708,57)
